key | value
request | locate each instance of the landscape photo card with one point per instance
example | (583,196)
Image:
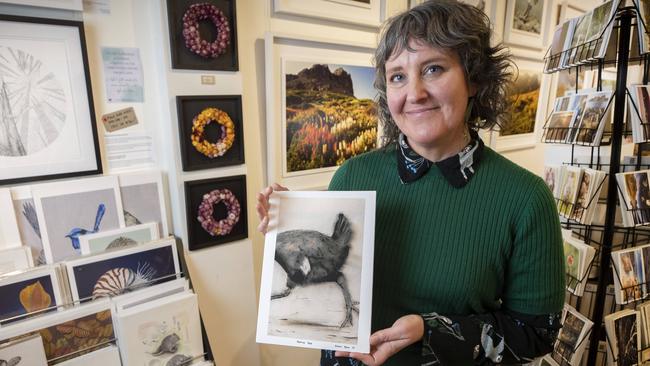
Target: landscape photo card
(67,210)
(118,238)
(123,270)
(316,289)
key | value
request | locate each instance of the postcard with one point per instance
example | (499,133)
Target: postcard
(33,290)
(143,199)
(166,331)
(123,270)
(569,190)
(621,328)
(571,340)
(9,234)
(15,259)
(67,210)
(118,238)
(107,356)
(315,301)
(558,126)
(27,220)
(591,126)
(27,351)
(628,275)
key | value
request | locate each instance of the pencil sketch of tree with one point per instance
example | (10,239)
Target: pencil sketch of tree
(32,104)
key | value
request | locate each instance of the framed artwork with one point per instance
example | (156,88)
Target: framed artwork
(118,238)
(144,200)
(203,34)
(76,5)
(320,109)
(211,131)
(25,351)
(68,333)
(216,211)
(166,331)
(9,234)
(484,5)
(525,23)
(15,259)
(34,290)
(116,272)
(358,12)
(527,97)
(107,356)
(49,128)
(27,220)
(67,210)
(131,299)
(311,297)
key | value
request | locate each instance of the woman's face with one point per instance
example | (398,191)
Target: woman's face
(427,97)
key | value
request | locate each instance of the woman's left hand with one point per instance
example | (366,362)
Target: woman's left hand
(387,342)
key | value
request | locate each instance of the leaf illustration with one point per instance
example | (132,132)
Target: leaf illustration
(34,297)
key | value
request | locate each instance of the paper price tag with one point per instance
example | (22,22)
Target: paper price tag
(119,119)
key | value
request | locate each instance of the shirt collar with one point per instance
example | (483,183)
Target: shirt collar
(457,169)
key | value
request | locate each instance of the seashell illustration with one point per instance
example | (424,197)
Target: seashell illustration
(12,362)
(121,242)
(169,344)
(34,297)
(75,331)
(120,280)
(178,360)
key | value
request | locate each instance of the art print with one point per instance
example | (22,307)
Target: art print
(166,331)
(117,272)
(119,238)
(569,190)
(643,108)
(329,115)
(107,356)
(369,13)
(525,23)
(558,126)
(68,210)
(29,292)
(314,301)
(9,234)
(626,339)
(15,259)
(596,112)
(630,275)
(27,220)
(49,128)
(573,264)
(523,96)
(568,338)
(27,351)
(143,200)
(216,211)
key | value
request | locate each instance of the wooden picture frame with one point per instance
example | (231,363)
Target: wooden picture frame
(368,13)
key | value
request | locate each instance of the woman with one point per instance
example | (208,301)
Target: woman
(468,251)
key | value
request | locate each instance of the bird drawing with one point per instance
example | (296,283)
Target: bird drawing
(309,257)
(76,232)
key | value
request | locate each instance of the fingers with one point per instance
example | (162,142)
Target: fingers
(262,206)
(367,359)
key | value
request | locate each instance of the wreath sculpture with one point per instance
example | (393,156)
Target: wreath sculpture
(205,147)
(206,209)
(193,41)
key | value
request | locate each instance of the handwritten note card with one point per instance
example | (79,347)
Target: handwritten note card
(123,74)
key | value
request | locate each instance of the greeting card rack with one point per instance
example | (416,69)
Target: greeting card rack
(596,298)
(183,273)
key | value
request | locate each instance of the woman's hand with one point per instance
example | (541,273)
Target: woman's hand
(263,205)
(387,342)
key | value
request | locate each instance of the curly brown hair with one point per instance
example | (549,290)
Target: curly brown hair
(456,26)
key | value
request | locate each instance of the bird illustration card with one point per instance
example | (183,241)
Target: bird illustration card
(111,239)
(26,351)
(316,289)
(30,291)
(67,210)
(27,220)
(166,331)
(122,270)
(143,199)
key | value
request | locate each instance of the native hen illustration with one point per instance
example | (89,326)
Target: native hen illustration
(309,256)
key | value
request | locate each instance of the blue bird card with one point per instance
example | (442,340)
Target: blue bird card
(316,288)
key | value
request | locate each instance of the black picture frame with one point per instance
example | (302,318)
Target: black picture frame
(72,47)
(182,57)
(198,238)
(189,107)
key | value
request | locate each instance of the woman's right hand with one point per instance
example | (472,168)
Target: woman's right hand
(263,205)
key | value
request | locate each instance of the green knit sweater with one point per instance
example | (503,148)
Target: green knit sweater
(491,245)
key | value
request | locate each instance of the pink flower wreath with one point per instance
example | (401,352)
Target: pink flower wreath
(193,41)
(206,209)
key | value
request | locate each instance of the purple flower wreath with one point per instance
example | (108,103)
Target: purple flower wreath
(193,41)
(206,209)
